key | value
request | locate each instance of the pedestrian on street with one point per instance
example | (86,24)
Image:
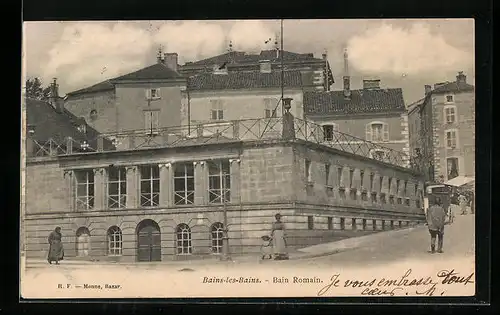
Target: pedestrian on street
(435,219)
(56,250)
(463,203)
(279,241)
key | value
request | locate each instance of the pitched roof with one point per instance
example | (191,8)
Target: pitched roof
(47,124)
(454,87)
(244,80)
(242,57)
(361,101)
(99,87)
(158,71)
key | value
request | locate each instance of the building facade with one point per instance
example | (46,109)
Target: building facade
(167,200)
(447,129)
(372,114)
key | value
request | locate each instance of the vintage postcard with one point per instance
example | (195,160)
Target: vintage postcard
(248,158)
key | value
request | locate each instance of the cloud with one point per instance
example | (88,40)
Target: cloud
(192,40)
(394,50)
(91,52)
(250,36)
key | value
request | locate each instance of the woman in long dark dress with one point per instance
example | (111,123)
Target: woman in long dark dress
(56,250)
(279,242)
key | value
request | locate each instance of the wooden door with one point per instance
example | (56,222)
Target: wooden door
(149,244)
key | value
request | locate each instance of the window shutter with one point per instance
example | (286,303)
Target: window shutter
(368,130)
(386,132)
(148,94)
(158,94)
(155,116)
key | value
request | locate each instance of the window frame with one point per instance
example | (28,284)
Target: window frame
(217,108)
(446,101)
(445,114)
(186,196)
(88,199)
(149,94)
(455,131)
(217,236)
(120,198)
(152,196)
(270,108)
(327,135)
(180,248)
(219,193)
(384,131)
(115,241)
(151,122)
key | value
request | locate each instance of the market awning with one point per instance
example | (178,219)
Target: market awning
(460,181)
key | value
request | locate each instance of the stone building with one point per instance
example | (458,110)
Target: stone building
(447,129)
(163,196)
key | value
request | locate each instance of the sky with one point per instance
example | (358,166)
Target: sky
(401,53)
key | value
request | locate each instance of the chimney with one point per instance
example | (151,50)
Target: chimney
(171,60)
(461,77)
(54,98)
(347,78)
(159,57)
(265,66)
(371,84)
(427,88)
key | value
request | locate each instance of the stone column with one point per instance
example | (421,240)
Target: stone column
(234,165)
(375,186)
(200,183)
(359,224)
(336,223)
(69,181)
(357,182)
(166,185)
(379,225)
(100,188)
(132,187)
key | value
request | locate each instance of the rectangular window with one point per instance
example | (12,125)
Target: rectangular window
(330,223)
(327,174)
(117,187)
(339,175)
(308,170)
(374,197)
(342,223)
(450,114)
(152,94)
(449,99)
(353,223)
(184,184)
(84,189)
(310,222)
(219,181)
(451,139)
(152,120)
(217,110)
(270,113)
(377,132)
(364,224)
(150,185)
(452,167)
(327,132)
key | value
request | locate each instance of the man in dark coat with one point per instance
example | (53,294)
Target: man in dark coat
(436,216)
(56,250)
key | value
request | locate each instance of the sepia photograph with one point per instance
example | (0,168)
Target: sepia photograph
(248,158)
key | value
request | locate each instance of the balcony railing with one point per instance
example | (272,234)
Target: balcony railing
(220,132)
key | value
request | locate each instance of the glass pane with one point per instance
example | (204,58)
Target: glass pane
(190,198)
(113,174)
(145,172)
(123,188)
(113,188)
(214,182)
(156,186)
(156,172)
(179,184)
(156,199)
(91,189)
(190,184)
(145,187)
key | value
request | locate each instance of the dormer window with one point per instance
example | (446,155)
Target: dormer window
(265,66)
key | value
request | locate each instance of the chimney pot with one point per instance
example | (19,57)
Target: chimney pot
(171,60)
(461,77)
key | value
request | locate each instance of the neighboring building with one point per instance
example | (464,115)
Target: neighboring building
(373,114)
(167,200)
(235,61)
(222,96)
(414,130)
(147,99)
(447,131)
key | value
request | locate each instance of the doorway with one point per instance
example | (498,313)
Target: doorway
(148,241)
(82,242)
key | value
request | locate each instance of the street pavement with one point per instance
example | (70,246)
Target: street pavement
(378,253)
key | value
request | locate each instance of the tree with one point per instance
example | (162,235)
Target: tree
(35,90)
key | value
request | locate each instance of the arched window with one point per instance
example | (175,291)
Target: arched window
(114,241)
(216,235)
(183,235)
(82,242)
(377,131)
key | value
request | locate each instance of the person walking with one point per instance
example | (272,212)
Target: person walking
(462,200)
(56,250)
(435,220)
(279,241)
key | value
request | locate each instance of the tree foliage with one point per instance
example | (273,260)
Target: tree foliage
(35,89)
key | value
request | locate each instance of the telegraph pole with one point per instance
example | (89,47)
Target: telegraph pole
(226,256)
